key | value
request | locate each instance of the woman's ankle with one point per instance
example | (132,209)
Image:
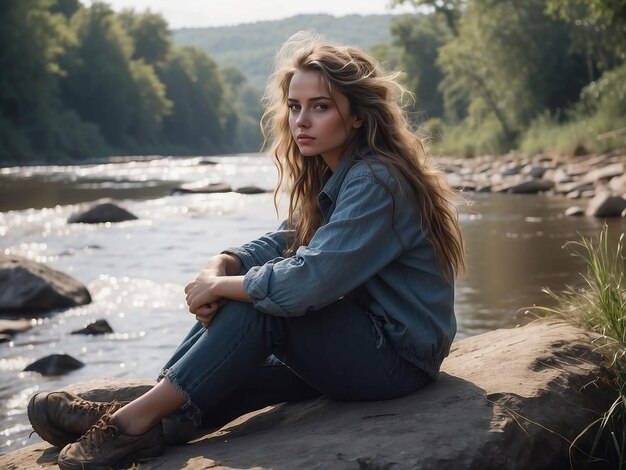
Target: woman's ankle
(130,425)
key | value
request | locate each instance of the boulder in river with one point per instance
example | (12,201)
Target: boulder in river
(202,189)
(30,287)
(102,212)
(99,327)
(510,399)
(54,364)
(11,327)
(604,204)
(250,190)
(618,185)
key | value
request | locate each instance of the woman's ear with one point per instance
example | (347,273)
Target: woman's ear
(357,121)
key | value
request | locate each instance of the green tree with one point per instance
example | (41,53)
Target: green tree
(450,10)
(603,27)
(33,123)
(151,37)
(124,98)
(193,85)
(243,112)
(419,39)
(510,62)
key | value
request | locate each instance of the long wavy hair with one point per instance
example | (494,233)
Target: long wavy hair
(375,97)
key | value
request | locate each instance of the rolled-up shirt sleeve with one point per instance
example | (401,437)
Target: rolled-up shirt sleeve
(260,251)
(355,244)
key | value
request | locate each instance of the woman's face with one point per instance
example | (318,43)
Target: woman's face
(320,121)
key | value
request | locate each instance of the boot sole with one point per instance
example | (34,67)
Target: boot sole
(141,456)
(38,417)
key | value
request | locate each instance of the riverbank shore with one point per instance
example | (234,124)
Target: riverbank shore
(581,177)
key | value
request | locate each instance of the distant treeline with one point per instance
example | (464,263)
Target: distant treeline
(488,76)
(78,83)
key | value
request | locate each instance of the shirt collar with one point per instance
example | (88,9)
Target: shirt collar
(333,184)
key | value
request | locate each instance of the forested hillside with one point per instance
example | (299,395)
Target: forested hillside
(250,47)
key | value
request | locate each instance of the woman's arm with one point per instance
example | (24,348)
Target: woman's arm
(210,289)
(202,298)
(224,265)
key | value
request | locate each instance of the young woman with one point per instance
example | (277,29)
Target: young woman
(353,293)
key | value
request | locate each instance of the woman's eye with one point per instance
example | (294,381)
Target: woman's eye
(293,107)
(322,107)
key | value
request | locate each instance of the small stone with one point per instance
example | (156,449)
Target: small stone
(55,364)
(11,327)
(102,213)
(250,190)
(204,189)
(99,327)
(574,211)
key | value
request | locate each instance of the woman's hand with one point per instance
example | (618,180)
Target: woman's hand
(206,313)
(202,291)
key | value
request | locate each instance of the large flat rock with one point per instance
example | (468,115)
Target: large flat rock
(27,286)
(509,399)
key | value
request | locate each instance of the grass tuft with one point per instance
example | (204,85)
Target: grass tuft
(600,306)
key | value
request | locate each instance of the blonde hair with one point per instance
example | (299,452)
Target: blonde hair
(375,97)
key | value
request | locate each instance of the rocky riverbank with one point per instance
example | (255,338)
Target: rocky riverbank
(511,399)
(598,181)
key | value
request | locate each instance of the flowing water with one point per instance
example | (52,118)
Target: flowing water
(136,270)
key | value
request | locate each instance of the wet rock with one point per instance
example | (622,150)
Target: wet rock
(30,287)
(11,327)
(564,188)
(559,175)
(250,190)
(574,211)
(509,399)
(526,186)
(99,327)
(55,364)
(606,205)
(101,213)
(536,171)
(510,169)
(605,173)
(205,189)
(618,184)
(207,162)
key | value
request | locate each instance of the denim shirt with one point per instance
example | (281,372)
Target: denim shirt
(370,245)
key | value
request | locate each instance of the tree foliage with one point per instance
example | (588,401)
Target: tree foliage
(500,65)
(82,82)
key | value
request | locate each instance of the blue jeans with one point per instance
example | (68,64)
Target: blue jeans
(339,351)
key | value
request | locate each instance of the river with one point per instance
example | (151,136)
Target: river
(135,270)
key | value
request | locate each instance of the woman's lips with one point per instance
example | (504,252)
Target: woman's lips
(303,138)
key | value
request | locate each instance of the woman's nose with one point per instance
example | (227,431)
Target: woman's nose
(303,119)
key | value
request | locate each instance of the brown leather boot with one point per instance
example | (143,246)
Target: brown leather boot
(105,445)
(60,417)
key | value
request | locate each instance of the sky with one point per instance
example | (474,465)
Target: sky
(198,13)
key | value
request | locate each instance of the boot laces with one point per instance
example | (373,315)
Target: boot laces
(88,407)
(99,433)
